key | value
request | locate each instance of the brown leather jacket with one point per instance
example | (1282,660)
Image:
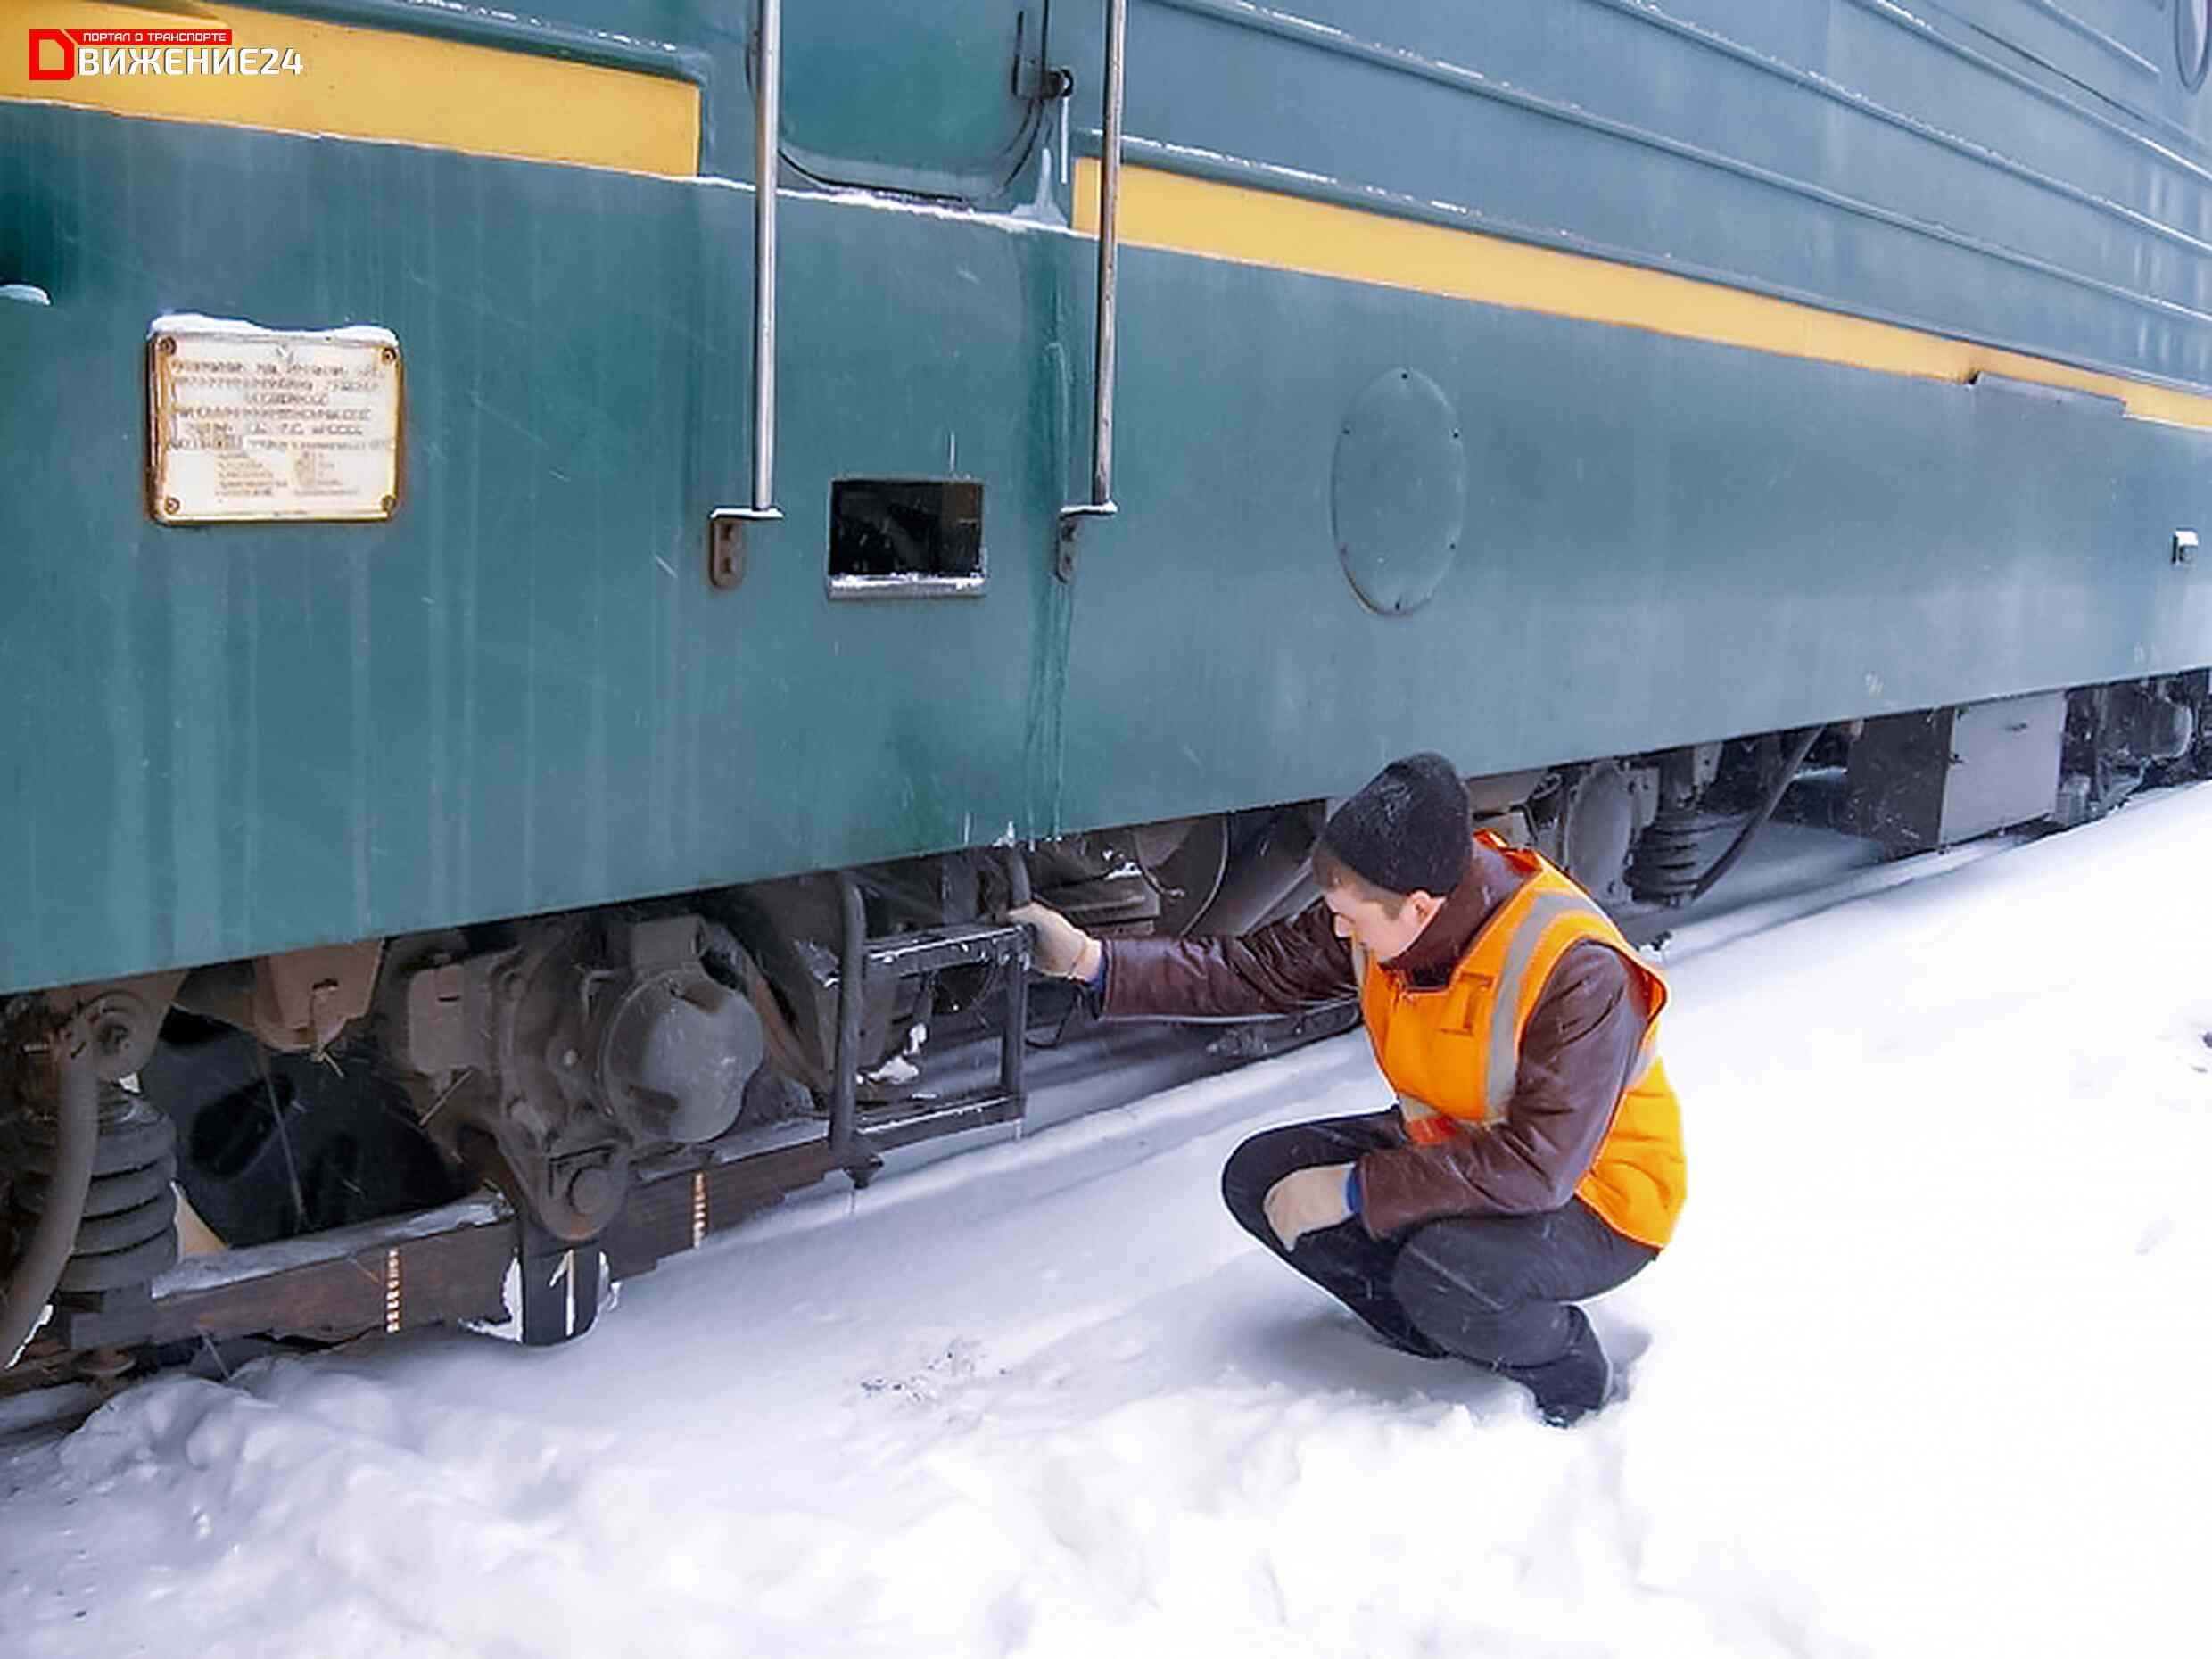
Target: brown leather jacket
(1575,1050)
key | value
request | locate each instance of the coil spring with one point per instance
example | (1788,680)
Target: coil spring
(1673,852)
(128,1235)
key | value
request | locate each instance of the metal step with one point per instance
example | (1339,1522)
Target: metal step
(858,1146)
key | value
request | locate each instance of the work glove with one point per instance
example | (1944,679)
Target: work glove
(1307,1201)
(1062,948)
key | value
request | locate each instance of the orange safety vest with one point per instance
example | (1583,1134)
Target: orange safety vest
(1452,1054)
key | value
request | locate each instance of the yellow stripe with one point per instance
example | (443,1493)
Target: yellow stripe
(375,83)
(1186,215)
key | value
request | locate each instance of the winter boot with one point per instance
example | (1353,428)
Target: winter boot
(1568,1387)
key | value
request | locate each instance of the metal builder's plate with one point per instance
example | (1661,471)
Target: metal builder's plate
(256,424)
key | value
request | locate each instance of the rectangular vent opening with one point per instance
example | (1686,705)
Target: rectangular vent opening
(905,538)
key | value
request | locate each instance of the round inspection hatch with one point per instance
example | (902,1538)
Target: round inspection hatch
(1398,493)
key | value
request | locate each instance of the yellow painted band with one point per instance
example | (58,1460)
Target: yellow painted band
(1186,215)
(376,83)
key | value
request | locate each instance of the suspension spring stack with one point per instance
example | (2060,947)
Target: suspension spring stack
(1668,857)
(129,1235)
(1672,852)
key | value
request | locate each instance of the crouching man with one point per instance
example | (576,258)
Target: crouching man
(1534,1156)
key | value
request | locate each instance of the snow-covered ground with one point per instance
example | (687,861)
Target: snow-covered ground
(1923,1372)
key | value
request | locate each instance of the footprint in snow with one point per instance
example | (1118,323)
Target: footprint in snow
(957,1364)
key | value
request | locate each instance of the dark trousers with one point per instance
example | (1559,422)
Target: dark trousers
(1496,1290)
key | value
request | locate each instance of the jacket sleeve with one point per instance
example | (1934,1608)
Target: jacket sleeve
(1284,968)
(1575,1054)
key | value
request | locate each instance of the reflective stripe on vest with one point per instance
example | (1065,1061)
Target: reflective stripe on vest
(1529,923)
(1503,1060)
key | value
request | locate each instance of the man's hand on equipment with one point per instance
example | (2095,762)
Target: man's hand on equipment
(1307,1201)
(1062,948)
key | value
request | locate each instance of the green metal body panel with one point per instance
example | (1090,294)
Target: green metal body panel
(1817,543)
(1890,162)
(521,694)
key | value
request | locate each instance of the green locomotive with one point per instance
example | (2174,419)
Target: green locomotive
(561,570)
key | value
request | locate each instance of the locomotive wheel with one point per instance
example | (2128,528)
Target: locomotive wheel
(1599,828)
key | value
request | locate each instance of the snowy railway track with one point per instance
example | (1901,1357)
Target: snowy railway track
(1915,1377)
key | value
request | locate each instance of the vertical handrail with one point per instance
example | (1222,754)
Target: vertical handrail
(766,142)
(1102,502)
(1108,258)
(725,555)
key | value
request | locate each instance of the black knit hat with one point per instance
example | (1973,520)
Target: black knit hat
(1408,830)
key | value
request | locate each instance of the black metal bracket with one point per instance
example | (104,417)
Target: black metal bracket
(725,548)
(560,1285)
